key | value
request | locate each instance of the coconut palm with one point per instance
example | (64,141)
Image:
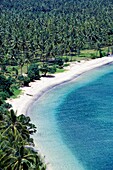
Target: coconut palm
(18,129)
(19,158)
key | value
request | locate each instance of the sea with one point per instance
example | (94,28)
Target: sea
(74,122)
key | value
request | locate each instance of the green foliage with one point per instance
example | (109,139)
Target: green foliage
(16,93)
(3,68)
(38,31)
(26,81)
(5,85)
(52,69)
(44,69)
(33,72)
(59,70)
(6,105)
(100,53)
(16,71)
(21,78)
(16,151)
(48,69)
(4,95)
(59,62)
(112,50)
(66,65)
(66,59)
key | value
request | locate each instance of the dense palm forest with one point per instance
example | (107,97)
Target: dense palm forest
(34,35)
(48,28)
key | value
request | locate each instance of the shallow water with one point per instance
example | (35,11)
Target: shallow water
(75,122)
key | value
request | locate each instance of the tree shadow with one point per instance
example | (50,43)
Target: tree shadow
(48,76)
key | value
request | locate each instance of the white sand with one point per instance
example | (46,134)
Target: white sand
(29,94)
(36,88)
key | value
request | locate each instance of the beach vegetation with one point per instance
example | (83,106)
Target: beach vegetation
(34,34)
(16,92)
(52,69)
(47,69)
(16,144)
(5,86)
(44,69)
(59,62)
(33,72)
(24,80)
(59,70)
(38,38)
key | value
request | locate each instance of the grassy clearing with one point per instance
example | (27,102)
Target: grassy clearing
(87,54)
(60,70)
(84,55)
(24,69)
(16,93)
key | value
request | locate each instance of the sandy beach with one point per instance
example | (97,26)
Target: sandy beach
(37,88)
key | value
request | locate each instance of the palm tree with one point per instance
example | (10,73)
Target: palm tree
(24,158)
(18,129)
(17,158)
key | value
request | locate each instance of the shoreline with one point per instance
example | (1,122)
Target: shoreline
(39,87)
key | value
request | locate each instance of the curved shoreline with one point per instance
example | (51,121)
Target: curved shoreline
(38,88)
(37,97)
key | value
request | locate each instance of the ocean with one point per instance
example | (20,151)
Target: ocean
(75,122)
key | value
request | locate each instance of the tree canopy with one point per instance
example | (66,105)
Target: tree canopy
(35,34)
(39,29)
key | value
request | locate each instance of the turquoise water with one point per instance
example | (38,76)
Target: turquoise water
(75,122)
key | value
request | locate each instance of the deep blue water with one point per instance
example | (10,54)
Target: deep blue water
(79,116)
(85,120)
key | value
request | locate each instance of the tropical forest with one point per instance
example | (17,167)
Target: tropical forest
(38,37)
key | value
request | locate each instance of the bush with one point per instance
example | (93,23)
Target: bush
(1,101)
(44,69)
(52,70)
(66,60)
(104,54)
(100,53)
(3,112)
(66,65)
(26,81)
(14,87)
(16,71)
(59,62)
(21,78)
(93,57)
(5,84)
(3,68)
(4,95)
(33,72)
(6,105)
